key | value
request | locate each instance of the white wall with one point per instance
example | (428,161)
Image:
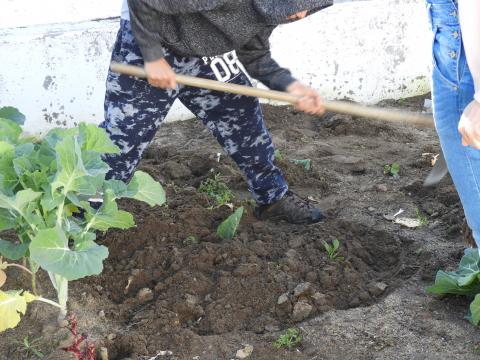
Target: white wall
(363,50)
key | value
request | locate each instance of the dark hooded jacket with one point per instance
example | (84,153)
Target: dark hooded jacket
(214,27)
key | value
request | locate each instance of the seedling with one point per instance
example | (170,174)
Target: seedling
(190,240)
(217,190)
(228,228)
(278,155)
(289,340)
(332,250)
(29,348)
(306,163)
(44,190)
(421,217)
(464,281)
(85,352)
(391,169)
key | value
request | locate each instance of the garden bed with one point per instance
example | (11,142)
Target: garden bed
(171,284)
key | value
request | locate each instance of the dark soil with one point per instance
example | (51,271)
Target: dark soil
(208,298)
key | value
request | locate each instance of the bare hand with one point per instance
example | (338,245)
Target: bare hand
(469,125)
(160,74)
(310,101)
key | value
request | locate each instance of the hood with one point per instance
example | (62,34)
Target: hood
(276,12)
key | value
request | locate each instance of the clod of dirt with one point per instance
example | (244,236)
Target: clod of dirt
(245,352)
(145,295)
(303,289)
(175,170)
(301,311)
(381,188)
(284,305)
(320,299)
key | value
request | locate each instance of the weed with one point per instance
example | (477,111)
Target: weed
(306,163)
(391,169)
(332,250)
(190,240)
(228,228)
(30,347)
(421,217)
(217,190)
(80,348)
(278,155)
(288,340)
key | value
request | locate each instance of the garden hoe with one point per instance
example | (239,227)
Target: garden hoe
(437,173)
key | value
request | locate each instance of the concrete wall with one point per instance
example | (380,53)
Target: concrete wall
(54,58)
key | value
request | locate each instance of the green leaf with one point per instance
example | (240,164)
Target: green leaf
(228,228)
(56,135)
(6,149)
(8,177)
(13,304)
(395,169)
(20,201)
(23,165)
(93,163)
(50,250)
(70,165)
(336,245)
(24,150)
(96,139)
(9,131)
(108,216)
(7,220)
(142,187)
(307,163)
(13,251)
(118,187)
(475,310)
(13,114)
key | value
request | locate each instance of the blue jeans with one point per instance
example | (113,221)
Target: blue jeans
(453,90)
(134,111)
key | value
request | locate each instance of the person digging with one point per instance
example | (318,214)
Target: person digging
(169,37)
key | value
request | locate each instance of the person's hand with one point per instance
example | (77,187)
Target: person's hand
(309,102)
(469,125)
(160,74)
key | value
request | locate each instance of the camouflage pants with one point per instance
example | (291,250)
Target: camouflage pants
(134,110)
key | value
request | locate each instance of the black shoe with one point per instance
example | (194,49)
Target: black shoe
(290,208)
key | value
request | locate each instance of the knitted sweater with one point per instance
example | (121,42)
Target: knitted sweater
(213,27)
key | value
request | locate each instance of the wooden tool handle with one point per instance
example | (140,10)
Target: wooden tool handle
(340,107)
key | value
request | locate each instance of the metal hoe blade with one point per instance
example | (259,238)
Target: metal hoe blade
(438,172)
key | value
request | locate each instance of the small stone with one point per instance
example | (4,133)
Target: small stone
(284,305)
(191,300)
(145,295)
(291,254)
(246,270)
(272,328)
(377,289)
(99,288)
(101,314)
(283,299)
(311,277)
(371,209)
(381,188)
(160,286)
(111,336)
(303,289)
(320,299)
(245,352)
(296,242)
(301,310)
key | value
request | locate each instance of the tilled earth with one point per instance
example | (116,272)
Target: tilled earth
(207,298)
